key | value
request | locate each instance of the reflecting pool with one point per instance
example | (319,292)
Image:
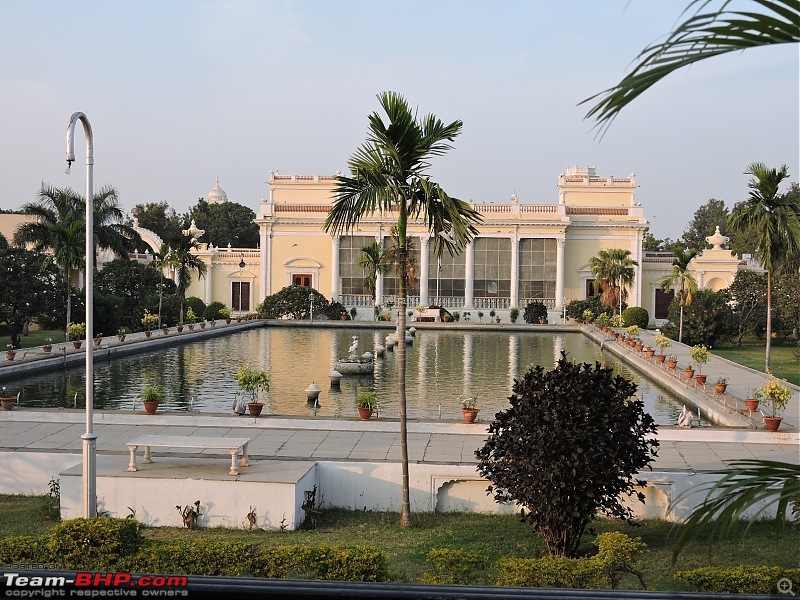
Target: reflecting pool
(442,366)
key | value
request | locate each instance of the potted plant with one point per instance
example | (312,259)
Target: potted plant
(701,356)
(353,313)
(225,312)
(778,396)
(75,332)
(688,372)
(662,342)
(468,408)
(252,381)
(190,318)
(10,352)
(649,351)
(603,320)
(672,361)
(751,402)
(420,310)
(720,385)
(588,316)
(366,403)
(149,320)
(121,334)
(7,401)
(152,396)
(457,315)
(480,316)
(98,339)
(48,345)
(513,314)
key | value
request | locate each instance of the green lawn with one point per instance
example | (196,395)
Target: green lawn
(492,536)
(36,338)
(783,362)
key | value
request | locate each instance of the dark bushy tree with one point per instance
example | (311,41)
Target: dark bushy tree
(535,312)
(636,315)
(748,296)
(575,308)
(226,223)
(134,283)
(292,301)
(708,320)
(25,287)
(214,311)
(160,218)
(787,303)
(197,305)
(705,221)
(568,448)
(334,311)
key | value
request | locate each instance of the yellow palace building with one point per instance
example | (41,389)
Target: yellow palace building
(525,252)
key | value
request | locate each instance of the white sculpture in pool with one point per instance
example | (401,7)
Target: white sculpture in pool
(354,364)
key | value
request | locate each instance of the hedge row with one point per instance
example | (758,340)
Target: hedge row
(105,544)
(738,580)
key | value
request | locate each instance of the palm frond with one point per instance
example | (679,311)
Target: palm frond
(747,489)
(701,36)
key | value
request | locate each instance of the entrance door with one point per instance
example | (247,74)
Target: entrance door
(302,279)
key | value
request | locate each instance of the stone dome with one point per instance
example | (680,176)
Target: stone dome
(217,195)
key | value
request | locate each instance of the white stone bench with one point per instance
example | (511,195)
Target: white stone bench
(204,443)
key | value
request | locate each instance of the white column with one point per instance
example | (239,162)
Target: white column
(560,244)
(469,275)
(335,269)
(208,279)
(424,243)
(514,300)
(636,293)
(263,264)
(268,266)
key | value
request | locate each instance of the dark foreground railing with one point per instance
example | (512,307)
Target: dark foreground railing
(72,584)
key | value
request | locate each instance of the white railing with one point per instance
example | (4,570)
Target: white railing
(356,300)
(491,302)
(446,301)
(548,302)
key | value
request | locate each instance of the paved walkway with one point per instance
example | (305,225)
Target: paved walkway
(691,450)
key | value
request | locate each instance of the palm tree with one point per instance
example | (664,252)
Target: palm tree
(613,270)
(775,220)
(162,259)
(373,262)
(110,233)
(680,275)
(58,233)
(388,175)
(701,36)
(185,262)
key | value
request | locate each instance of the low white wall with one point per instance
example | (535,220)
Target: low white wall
(29,473)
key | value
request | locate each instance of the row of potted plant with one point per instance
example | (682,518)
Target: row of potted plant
(777,394)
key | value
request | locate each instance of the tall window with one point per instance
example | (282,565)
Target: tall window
(240,296)
(537,268)
(446,275)
(663,300)
(492,268)
(351,275)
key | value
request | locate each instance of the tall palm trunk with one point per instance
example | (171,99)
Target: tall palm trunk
(405,510)
(160,296)
(769,322)
(69,306)
(680,324)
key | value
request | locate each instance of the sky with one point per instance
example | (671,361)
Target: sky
(181,92)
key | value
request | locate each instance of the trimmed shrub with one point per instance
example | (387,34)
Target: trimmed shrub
(453,567)
(197,557)
(24,549)
(354,563)
(744,579)
(197,305)
(334,311)
(617,555)
(575,308)
(535,312)
(95,544)
(213,311)
(636,315)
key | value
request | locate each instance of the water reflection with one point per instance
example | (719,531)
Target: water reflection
(441,366)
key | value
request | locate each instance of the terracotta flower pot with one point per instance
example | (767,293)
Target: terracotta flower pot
(255,408)
(47,348)
(751,404)
(688,373)
(470,414)
(76,344)
(148,333)
(661,358)
(191,326)
(179,328)
(8,403)
(772,423)
(121,337)
(720,388)
(10,354)
(202,325)
(671,364)
(701,379)
(150,407)
(650,353)
(97,342)
(365,412)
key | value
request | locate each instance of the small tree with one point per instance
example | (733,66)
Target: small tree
(535,312)
(543,451)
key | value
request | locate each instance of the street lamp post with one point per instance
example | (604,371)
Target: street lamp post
(241,274)
(89,438)
(311,301)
